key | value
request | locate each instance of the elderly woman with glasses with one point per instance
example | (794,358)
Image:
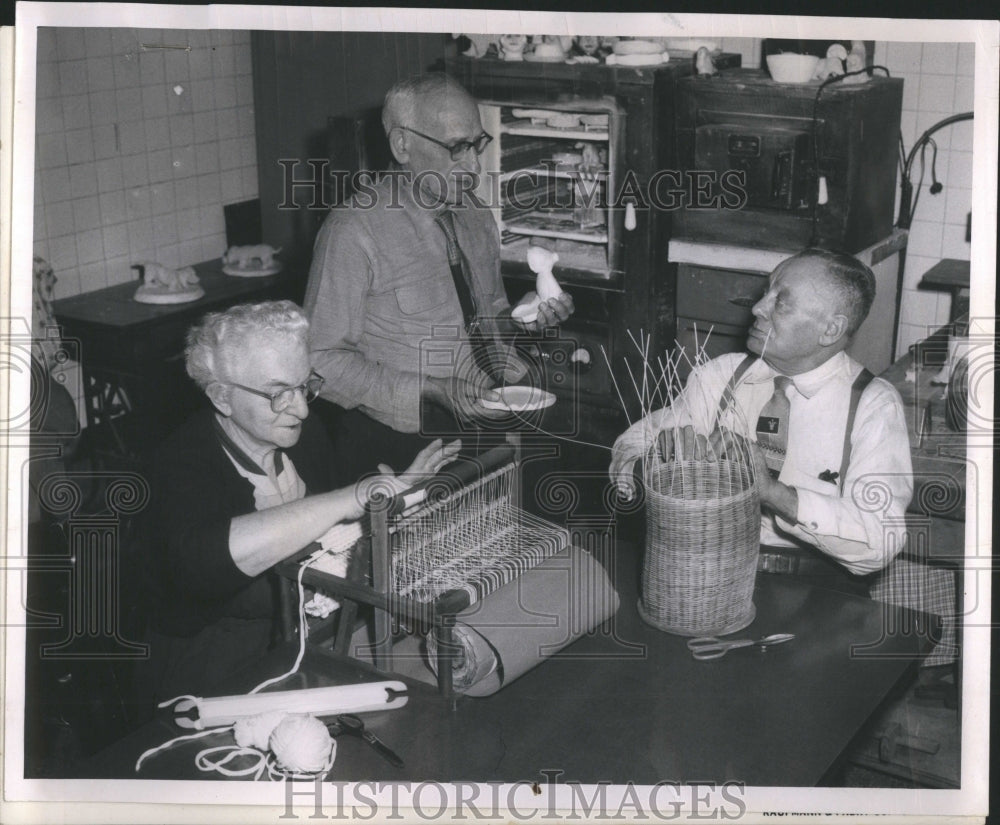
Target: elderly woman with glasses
(238,488)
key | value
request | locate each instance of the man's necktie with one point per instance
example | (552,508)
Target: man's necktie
(772,425)
(461,276)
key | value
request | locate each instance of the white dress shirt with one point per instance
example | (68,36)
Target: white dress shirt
(863,529)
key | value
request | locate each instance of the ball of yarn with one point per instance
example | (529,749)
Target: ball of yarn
(255,731)
(301,743)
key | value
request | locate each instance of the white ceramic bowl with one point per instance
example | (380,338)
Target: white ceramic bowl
(792,68)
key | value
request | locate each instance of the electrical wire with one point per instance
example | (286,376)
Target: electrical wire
(869,70)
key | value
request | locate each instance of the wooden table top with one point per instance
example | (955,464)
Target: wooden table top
(627,703)
(114,307)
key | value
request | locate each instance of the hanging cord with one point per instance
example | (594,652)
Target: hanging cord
(202,760)
(814,234)
(907,199)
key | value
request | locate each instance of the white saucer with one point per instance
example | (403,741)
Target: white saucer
(149,294)
(252,272)
(520,399)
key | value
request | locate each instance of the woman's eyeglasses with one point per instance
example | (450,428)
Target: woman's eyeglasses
(459,149)
(283,399)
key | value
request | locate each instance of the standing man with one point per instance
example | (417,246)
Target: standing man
(829,442)
(415,257)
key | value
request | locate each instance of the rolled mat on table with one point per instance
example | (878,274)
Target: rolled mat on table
(529,619)
(517,627)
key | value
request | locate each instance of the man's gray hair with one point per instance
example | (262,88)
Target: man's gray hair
(404,100)
(219,333)
(851,280)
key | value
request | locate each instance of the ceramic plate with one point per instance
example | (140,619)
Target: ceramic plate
(520,399)
(252,272)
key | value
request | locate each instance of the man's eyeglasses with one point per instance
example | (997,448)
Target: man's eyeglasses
(283,399)
(459,149)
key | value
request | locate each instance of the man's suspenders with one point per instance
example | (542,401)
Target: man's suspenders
(857,389)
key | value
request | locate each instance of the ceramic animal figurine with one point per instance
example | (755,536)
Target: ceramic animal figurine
(257,256)
(540,261)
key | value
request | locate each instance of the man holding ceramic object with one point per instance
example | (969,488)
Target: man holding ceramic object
(405,296)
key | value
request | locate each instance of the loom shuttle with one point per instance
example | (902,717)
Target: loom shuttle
(216,711)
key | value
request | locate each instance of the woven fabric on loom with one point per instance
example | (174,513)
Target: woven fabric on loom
(474,540)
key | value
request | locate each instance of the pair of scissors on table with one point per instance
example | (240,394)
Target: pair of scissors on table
(709,647)
(352,725)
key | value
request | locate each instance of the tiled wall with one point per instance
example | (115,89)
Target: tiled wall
(138,149)
(938,81)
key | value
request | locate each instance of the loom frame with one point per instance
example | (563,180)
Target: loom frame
(372,557)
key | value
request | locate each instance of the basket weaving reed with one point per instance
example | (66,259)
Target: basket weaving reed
(702,543)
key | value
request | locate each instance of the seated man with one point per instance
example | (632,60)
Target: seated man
(830,446)
(237,489)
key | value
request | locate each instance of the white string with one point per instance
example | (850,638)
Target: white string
(202,757)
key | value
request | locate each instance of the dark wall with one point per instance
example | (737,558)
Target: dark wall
(300,80)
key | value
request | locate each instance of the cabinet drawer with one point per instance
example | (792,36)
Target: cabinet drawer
(718,295)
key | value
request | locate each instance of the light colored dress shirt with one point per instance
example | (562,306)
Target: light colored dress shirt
(863,529)
(382,303)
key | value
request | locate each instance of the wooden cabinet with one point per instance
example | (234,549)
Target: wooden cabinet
(623,286)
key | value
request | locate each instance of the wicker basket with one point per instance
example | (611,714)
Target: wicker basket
(702,543)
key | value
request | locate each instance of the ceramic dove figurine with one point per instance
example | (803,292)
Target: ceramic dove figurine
(540,261)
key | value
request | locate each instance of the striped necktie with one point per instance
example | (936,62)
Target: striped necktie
(461,276)
(772,425)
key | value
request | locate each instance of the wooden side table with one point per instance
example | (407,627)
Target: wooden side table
(132,356)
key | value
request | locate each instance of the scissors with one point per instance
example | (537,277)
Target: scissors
(350,724)
(709,647)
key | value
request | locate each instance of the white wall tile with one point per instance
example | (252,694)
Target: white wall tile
(79,146)
(100,73)
(93,276)
(118,178)
(70,44)
(911,92)
(115,241)
(129,103)
(157,131)
(966,59)
(76,112)
(112,206)
(904,58)
(46,48)
(103,107)
(154,100)
(82,180)
(135,172)
(55,185)
(939,58)
(97,41)
(109,175)
(162,200)
(59,219)
(960,170)
(965,94)
(89,246)
(86,213)
(925,239)
(181,130)
(953,244)
(126,69)
(916,266)
(179,99)
(958,204)
(50,151)
(227,123)
(937,93)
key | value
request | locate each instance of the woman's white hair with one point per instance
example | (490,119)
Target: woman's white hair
(218,334)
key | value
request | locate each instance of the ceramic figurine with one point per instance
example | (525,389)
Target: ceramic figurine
(512,46)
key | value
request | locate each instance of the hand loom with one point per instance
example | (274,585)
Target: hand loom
(455,548)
